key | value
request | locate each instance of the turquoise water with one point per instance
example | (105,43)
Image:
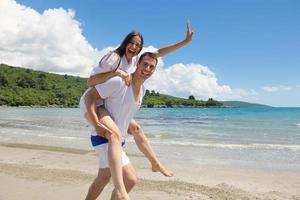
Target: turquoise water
(250,137)
(240,127)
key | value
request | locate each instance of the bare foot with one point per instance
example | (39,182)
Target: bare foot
(158,167)
(120,196)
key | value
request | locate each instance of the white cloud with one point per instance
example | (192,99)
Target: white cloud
(50,41)
(278,88)
(193,79)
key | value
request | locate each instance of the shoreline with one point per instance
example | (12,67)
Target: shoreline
(66,170)
(142,106)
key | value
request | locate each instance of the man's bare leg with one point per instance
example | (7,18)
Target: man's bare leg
(98,184)
(145,147)
(114,153)
(129,177)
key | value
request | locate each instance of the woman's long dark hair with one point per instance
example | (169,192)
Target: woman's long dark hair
(122,48)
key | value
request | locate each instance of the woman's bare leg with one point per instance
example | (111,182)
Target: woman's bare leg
(145,147)
(129,177)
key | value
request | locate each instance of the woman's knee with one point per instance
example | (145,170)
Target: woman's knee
(134,128)
(114,137)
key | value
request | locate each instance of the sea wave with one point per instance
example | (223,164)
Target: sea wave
(61,137)
(233,146)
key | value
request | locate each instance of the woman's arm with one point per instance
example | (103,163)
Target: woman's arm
(108,67)
(170,48)
(102,77)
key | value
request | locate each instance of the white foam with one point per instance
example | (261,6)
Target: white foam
(233,146)
(60,137)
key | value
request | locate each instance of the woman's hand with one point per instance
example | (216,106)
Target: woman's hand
(125,76)
(127,79)
(189,33)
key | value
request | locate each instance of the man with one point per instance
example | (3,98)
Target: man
(121,102)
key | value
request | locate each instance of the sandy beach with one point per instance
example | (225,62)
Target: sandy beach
(45,172)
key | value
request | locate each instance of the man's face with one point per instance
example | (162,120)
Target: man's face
(146,67)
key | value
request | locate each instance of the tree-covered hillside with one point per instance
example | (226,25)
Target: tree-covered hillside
(153,99)
(26,87)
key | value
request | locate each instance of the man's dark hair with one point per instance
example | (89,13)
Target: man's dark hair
(122,48)
(150,54)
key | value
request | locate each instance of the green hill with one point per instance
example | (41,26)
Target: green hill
(153,99)
(26,87)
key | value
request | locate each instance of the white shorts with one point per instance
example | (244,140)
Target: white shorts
(102,151)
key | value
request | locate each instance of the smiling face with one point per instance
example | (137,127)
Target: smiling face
(133,47)
(146,67)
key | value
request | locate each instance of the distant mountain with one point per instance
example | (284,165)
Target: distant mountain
(241,104)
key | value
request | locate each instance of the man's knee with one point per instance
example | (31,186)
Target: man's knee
(103,177)
(132,181)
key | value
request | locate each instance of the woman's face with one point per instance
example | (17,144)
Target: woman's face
(133,47)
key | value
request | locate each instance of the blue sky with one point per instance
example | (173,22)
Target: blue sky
(251,47)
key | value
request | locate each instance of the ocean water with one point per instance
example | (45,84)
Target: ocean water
(246,137)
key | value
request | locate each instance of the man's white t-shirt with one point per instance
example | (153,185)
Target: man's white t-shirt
(119,102)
